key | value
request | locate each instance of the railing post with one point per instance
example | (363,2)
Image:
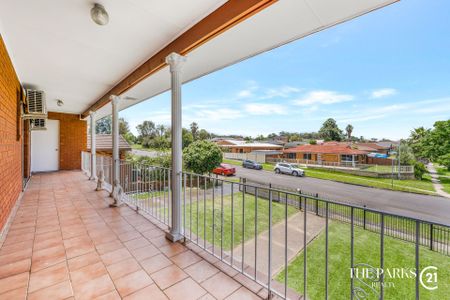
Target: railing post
(175,62)
(93,148)
(431,236)
(317,204)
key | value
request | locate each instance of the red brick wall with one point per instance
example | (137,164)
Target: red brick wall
(10,142)
(72,139)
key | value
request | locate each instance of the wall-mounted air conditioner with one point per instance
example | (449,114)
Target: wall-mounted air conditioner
(35,105)
(38,124)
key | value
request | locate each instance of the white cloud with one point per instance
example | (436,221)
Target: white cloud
(283,92)
(265,109)
(380,93)
(217,114)
(323,97)
(245,94)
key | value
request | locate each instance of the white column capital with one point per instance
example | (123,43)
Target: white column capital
(114,99)
(92,113)
(175,61)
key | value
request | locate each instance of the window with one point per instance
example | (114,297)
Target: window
(307,156)
(346,157)
(291,155)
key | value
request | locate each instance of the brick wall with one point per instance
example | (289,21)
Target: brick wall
(72,139)
(10,141)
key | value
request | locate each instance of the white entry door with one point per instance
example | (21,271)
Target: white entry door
(45,148)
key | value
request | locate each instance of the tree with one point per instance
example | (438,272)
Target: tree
(146,129)
(204,135)
(330,131)
(124,128)
(104,125)
(161,130)
(349,130)
(417,141)
(312,142)
(405,154)
(186,138)
(437,147)
(194,130)
(202,156)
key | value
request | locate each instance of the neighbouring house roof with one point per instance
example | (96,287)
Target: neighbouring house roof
(253,145)
(326,149)
(103,142)
(377,146)
(221,141)
(267,152)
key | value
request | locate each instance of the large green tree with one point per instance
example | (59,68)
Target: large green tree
(330,131)
(348,131)
(146,130)
(202,156)
(437,143)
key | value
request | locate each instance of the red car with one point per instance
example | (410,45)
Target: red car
(224,170)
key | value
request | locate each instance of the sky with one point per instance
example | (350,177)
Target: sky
(385,73)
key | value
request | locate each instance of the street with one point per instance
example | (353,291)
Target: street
(431,208)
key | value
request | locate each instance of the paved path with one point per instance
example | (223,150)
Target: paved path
(295,243)
(436,182)
(432,208)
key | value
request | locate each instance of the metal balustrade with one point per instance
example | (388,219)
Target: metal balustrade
(261,231)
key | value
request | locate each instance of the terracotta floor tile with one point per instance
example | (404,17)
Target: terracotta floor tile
(155,263)
(109,246)
(115,256)
(16,247)
(14,268)
(243,294)
(137,243)
(145,252)
(123,268)
(78,246)
(187,289)
(47,257)
(153,233)
(168,276)
(83,260)
(93,288)
(150,292)
(15,256)
(220,285)
(14,282)
(172,249)
(132,282)
(17,294)
(48,276)
(114,295)
(185,259)
(201,271)
(61,290)
(129,235)
(88,272)
(48,243)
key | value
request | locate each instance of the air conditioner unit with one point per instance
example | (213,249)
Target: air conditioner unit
(38,124)
(35,105)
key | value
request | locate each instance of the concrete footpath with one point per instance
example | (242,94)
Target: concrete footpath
(436,182)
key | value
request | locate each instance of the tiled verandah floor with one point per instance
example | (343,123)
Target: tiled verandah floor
(65,242)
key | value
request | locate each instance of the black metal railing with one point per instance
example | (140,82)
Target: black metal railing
(289,242)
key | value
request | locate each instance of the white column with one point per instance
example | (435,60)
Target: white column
(175,62)
(93,147)
(115,145)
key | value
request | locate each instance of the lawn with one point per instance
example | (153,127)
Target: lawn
(208,216)
(443,171)
(398,254)
(445,181)
(140,147)
(423,186)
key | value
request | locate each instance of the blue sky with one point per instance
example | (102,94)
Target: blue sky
(385,73)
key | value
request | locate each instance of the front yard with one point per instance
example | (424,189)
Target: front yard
(398,254)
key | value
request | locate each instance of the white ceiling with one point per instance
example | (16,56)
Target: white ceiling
(281,23)
(56,47)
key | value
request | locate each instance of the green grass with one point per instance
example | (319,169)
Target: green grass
(398,254)
(443,171)
(207,211)
(445,181)
(379,169)
(423,186)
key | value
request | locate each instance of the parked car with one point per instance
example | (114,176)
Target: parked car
(224,170)
(291,169)
(251,164)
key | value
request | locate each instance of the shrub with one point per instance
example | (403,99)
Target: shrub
(202,156)
(419,170)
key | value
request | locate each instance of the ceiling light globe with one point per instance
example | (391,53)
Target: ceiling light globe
(99,14)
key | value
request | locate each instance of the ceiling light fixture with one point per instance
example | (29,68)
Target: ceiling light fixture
(99,14)
(59,102)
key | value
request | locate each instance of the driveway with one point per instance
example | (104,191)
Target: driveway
(430,208)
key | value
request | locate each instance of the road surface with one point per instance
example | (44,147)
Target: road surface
(428,208)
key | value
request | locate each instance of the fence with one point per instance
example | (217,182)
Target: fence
(258,157)
(260,230)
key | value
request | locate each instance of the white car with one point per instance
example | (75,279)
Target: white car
(291,169)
